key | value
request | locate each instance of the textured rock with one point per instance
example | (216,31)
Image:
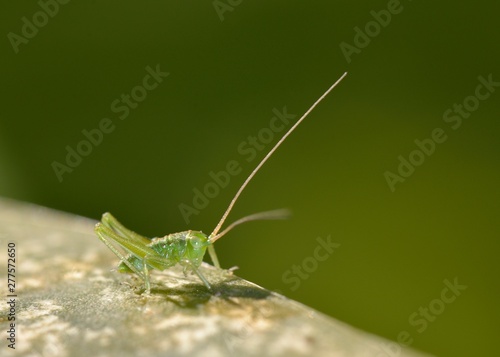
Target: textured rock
(69,303)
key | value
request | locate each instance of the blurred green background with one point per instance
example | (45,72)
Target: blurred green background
(228,70)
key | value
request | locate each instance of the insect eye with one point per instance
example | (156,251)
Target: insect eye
(197,240)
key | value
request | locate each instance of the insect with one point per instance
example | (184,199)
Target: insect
(141,254)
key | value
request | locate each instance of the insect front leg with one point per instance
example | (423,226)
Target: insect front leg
(200,275)
(213,256)
(162,263)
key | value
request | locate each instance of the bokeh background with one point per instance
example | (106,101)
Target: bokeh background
(228,69)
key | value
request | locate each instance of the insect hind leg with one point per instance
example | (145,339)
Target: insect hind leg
(106,235)
(112,223)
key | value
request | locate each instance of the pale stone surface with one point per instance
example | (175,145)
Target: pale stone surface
(69,303)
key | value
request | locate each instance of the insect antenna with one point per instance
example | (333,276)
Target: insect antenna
(276,214)
(214,236)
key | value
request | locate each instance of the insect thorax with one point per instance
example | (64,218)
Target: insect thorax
(183,248)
